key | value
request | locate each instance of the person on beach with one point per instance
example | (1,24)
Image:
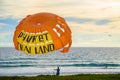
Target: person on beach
(106,66)
(57,71)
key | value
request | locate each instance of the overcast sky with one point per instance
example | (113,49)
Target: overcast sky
(94,23)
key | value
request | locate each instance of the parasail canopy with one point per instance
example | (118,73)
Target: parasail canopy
(42,33)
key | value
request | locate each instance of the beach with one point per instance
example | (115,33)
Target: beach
(34,71)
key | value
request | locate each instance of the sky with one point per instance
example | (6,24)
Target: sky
(94,23)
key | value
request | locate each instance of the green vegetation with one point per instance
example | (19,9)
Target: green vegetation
(69,77)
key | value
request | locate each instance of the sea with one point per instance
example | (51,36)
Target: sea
(79,60)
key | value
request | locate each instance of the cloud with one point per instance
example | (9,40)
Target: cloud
(115,24)
(6,39)
(2,25)
(4,44)
(93,40)
(103,22)
(92,28)
(96,9)
(9,21)
(3,35)
(78,20)
(8,24)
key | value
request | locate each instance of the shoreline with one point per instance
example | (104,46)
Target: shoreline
(64,71)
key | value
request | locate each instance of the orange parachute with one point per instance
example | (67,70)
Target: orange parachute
(42,33)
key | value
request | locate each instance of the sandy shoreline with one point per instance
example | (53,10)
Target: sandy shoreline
(34,71)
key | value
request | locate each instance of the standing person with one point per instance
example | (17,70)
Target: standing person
(58,71)
(106,66)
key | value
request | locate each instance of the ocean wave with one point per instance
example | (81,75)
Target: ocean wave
(23,64)
(78,57)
